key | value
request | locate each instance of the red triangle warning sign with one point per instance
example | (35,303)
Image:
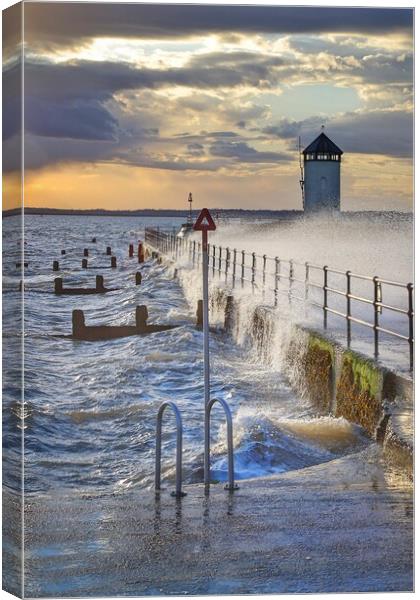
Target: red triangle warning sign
(204,221)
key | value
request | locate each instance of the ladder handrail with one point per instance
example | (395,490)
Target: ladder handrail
(178,484)
(231,470)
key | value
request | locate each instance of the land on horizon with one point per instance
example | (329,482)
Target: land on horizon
(172,212)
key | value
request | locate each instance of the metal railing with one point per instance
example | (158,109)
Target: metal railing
(178,493)
(314,285)
(231,486)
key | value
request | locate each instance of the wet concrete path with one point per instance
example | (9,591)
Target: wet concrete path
(341,526)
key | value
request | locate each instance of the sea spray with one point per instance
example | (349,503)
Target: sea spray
(375,244)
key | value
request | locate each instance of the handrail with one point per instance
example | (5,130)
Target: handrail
(178,493)
(265,269)
(231,486)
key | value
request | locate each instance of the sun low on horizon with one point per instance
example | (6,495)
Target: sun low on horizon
(132,106)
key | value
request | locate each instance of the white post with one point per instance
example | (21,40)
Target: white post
(204,224)
(206,350)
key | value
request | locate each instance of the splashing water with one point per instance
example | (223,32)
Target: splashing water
(373,244)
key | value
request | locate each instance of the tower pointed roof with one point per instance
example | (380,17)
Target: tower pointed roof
(322,145)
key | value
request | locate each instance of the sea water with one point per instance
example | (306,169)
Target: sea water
(89,410)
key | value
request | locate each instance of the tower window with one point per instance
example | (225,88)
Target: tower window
(322,156)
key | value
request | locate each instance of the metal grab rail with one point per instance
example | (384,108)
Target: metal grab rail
(230,486)
(178,493)
(257,277)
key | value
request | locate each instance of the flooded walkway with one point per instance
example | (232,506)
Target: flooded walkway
(341,526)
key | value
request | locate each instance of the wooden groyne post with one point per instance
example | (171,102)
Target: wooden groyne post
(100,287)
(199,314)
(140,253)
(58,285)
(78,323)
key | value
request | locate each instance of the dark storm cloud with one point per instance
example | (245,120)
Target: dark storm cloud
(284,129)
(69,23)
(376,132)
(381,69)
(46,151)
(195,149)
(12,99)
(100,80)
(388,132)
(67,100)
(11,31)
(244,153)
(78,119)
(343,47)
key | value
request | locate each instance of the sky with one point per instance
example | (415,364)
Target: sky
(130,106)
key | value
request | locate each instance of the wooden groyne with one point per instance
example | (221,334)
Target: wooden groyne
(91,333)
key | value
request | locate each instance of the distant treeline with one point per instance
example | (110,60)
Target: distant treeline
(220,212)
(147,212)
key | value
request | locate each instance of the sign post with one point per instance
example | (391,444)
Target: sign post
(204,224)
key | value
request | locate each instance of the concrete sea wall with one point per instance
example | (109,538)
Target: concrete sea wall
(338,381)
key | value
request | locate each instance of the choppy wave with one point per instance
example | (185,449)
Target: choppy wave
(90,408)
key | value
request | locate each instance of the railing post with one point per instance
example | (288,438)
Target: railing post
(263,273)
(243,268)
(193,253)
(198,254)
(348,307)
(380,297)
(324,287)
(375,316)
(410,324)
(227,264)
(253,272)
(214,259)
(220,261)
(276,280)
(291,277)
(234,268)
